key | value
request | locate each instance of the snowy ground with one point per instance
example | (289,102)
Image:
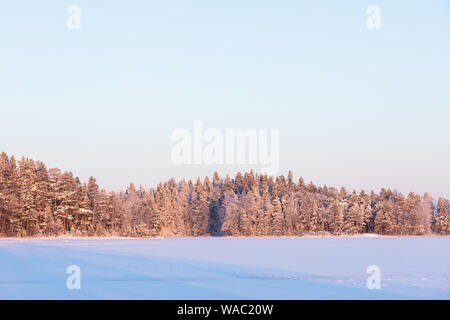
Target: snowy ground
(226,268)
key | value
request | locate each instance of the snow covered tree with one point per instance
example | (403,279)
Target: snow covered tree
(384,220)
(442,220)
(200,210)
(354,223)
(230,212)
(35,201)
(336,214)
(278,222)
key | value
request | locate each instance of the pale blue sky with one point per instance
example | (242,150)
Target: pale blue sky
(355,107)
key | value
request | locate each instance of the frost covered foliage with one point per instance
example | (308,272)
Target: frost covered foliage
(35,201)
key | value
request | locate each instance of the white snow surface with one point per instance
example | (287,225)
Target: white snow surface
(226,268)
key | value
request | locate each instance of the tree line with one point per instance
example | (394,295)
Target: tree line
(35,201)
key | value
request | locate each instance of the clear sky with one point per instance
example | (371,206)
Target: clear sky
(355,107)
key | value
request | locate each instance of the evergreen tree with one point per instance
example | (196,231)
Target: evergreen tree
(200,210)
(35,201)
(354,223)
(336,218)
(230,211)
(384,222)
(441,224)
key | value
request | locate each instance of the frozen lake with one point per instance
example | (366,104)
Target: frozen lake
(226,268)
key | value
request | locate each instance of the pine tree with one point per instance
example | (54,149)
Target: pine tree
(368,217)
(200,210)
(278,223)
(28,208)
(413,224)
(35,201)
(337,218)
(253,207)
(230,211)
(4,195)
(384,221)
(184,208)
(290,213)
(354,223)
(442,225)
(401,215)
(426,214)
(245,225)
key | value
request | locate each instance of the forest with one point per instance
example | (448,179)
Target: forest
(40,202)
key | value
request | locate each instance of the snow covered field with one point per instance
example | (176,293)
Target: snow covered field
(226,268)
